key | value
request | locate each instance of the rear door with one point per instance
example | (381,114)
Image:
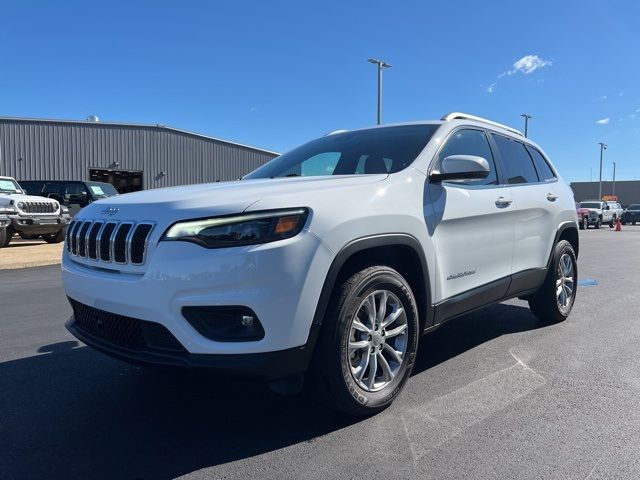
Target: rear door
(536,200)
(474,229)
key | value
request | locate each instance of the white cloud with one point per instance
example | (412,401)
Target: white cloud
(603,121)
(528,64)
(603,97)
(621,94)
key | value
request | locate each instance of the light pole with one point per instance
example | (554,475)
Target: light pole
(603,147)
(526,123)
(614,179)
(381,64)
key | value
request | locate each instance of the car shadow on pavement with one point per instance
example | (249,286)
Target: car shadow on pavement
(461,334)
(71,412)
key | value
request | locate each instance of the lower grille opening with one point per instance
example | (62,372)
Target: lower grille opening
(123,331)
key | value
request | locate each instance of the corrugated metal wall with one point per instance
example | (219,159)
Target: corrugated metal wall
(628,191)
(50,150)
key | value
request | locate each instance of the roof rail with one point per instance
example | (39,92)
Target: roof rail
(335,132)
(460,116)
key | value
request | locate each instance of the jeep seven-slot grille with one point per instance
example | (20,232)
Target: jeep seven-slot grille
(39,207)
(123,331)
(107,241)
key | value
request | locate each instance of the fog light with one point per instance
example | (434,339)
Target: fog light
(225,324)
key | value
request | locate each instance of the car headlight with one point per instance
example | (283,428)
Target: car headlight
(239,230)
(8,210)
(21,205)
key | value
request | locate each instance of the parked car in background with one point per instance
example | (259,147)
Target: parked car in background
(583,216)
(602,212)
(73,194)
(30,216)
(631,214)
(616,209)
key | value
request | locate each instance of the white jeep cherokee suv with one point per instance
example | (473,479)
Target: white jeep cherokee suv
(331,259)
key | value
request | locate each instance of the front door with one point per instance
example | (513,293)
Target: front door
(474,229)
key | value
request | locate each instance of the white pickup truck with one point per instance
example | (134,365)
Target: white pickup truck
(29,216)
(600,212)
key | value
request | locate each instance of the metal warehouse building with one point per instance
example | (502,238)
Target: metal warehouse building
(130,156)
(627,191)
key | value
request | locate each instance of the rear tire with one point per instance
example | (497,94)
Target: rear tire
(3,236)
(598,223)
(584,223)
(554,300)
(612,223)
(57,237)
(368,342)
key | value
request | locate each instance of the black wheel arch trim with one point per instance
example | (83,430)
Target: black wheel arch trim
(568,225)
(365,243)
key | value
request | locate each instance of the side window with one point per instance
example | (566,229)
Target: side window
(51,189)
(471,142)
(517,162)
(74,189)
(543,167)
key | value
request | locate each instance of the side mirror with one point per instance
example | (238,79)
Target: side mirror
(461,167)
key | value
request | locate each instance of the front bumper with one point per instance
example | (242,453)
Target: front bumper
(39,225)
(279,281)
(264,366)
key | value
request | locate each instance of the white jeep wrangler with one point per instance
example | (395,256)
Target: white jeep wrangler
(331,259)
(29,216)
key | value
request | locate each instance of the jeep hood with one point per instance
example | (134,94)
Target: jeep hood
(195,201)
(5,199)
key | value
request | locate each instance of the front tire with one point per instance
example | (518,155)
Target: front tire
(554,300)
(584,224)
(57,237)
(598,223)
(368,342)
(8,235)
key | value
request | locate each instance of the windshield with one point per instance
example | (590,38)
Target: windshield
(374,151)
(9,185)
(590,205)
(102,190)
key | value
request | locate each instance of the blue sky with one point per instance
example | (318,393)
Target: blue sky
(276,74)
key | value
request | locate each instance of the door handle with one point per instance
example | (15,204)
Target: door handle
(503,202)
(551,197)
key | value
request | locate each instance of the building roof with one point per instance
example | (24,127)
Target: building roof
(158,126)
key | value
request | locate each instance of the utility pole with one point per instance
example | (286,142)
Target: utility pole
(614,179)
(603,147)
(381,64)
(526,123)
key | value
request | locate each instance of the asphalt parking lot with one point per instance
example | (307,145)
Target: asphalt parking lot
(495,394)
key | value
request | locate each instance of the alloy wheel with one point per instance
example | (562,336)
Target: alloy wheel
(377,340)
(565,283)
